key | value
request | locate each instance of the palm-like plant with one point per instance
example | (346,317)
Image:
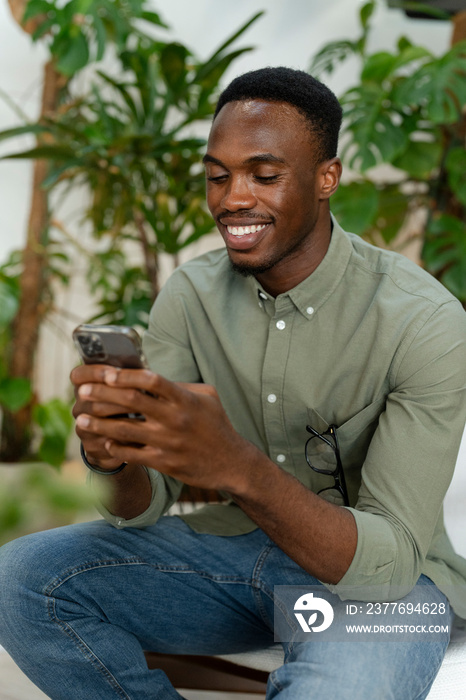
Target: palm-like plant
(408,112)
(130,140)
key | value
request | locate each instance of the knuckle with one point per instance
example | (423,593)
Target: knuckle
(181,421)
(152,380)
(133,396)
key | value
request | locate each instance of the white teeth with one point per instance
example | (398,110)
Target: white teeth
(243,230)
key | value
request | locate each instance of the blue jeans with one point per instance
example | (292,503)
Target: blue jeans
(78,605)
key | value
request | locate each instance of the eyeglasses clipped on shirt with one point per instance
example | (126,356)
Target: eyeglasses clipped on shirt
(322,448)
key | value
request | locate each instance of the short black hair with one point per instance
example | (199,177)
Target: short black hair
(314,100)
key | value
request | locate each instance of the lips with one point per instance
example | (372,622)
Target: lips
(242,233)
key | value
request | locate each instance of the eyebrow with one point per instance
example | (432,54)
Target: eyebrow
(258,158)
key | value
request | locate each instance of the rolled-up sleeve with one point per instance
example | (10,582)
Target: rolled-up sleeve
(411,459)
(165,491)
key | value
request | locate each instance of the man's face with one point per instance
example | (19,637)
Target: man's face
(265,192)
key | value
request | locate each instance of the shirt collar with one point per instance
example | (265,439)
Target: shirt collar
(310,294)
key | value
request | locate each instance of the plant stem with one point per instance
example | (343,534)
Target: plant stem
(150,255)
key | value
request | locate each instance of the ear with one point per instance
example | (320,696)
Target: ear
(329,177)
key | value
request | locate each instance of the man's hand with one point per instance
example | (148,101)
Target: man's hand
(186,432)
(94,444)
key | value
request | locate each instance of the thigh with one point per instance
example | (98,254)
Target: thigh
(388,658)
(173,589)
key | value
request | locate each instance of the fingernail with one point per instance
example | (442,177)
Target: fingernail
(110,376)
(85,390)
(83,421)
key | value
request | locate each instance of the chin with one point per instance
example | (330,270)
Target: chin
(249,269)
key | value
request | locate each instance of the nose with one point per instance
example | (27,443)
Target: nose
(238,194)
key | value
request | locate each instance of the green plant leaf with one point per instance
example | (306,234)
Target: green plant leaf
(355,205)
(74,57)
(36,7)
(153,18)
(232,38)
(410,54)
(124,91)
(378,66)
(52,450)
(54,418)
(420,158)
(56,422)
(456,167)
(391,212)
(173,65)
(15,392)
(326,60)
(59,152)
(434,12)
(20,130)
(375,137)
(366,13)
(444,253)
(100,36)
(8,304)
(438,87)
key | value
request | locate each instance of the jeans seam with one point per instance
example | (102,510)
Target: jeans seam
(90,566)
(85,650)
(258,586)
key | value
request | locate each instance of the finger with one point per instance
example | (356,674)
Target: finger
(96,408)
(88,373)
(138,454)
(199,388)
(112,400)
(147,381)
(120,430)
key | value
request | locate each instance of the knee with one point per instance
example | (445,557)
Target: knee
(21,564)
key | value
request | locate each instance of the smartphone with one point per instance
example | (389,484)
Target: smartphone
(119,346)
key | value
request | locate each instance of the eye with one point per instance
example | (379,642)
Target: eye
(266,179)
(216,178)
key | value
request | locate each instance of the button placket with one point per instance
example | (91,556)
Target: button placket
(273,378)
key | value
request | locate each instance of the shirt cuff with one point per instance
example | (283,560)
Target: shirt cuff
(371,573)
(150,516)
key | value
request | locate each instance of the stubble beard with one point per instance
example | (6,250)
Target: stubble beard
(246,270)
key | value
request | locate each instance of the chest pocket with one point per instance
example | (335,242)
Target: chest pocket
(354,437)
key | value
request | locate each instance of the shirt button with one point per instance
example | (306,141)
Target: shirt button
(280,325)
(310,310)
(281,458)
(271,398)
(262,295)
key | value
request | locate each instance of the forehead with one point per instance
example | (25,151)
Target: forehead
(247,126)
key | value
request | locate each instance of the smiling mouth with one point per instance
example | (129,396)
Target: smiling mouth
(244,230)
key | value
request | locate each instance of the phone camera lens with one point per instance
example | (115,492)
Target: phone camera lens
(95,348)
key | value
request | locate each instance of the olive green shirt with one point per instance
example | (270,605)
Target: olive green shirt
(368,342)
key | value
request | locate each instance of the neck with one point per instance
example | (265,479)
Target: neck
(299,264)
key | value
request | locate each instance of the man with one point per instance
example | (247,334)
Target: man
(297,334)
